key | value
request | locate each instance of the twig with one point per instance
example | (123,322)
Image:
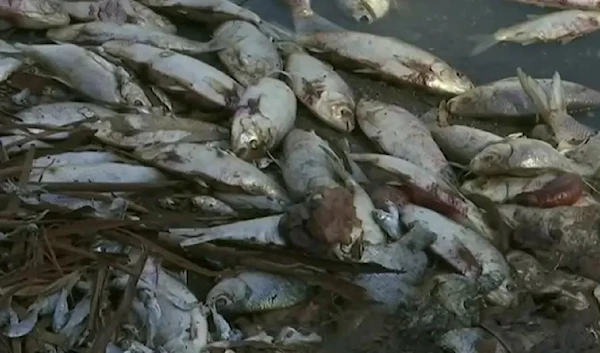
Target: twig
(23,179)
(104,336)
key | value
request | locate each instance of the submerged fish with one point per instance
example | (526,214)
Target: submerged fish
(366,11)
(563,26)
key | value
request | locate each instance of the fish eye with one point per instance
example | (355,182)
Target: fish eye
(222,302)
(138,103)
(254,144)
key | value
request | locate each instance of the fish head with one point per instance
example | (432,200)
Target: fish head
(505,295)
(338,110)
(365,11)
(492,158)
(250,142)
(228,295)
(444,78)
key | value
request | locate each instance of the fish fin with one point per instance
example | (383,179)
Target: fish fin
(483,42)
(313,22)
(557,99)
(535,92)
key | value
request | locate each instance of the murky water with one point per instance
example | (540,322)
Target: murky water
(444,27)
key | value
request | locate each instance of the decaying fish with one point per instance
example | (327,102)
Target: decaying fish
(251,291)
(220,167)
(552,107)
(563,26)
(99,32)
(503,188)
(366,11)
(565,4)
(251,55)
(399,133)
(74,158)
(564,190)
(265,114)
(506,98)
(88,73)
(461,143)
(321,89)
(523,157)
(460,295)
(179,74)
(108,172)
(118,11)
(33,14)
(212,206)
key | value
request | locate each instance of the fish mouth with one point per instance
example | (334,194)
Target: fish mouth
(368,17)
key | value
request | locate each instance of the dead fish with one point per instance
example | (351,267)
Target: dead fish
(306,168)
(75,158)
(87,72)
(563,26)
(455,242)
(399,133)
(260,203)
(459,295)
(389,220)
(501,189)
(265,114)
(180,74)
(564,190)
(61,114)
(213,206)
(218,166)
(522,157)
(112,10)
(366,11)
(564,4)
(130,131)
(322,90)
(251,55)
(264,230)
(461,143)
(33,14)
(383,57)
(253,291)
(506,98)
(468,340)
(552,107)
(99,32)
(108,172)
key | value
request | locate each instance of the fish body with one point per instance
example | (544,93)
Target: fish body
(506,98)
(74,158)
(565,4)
(389,59)
(34,14)
(522,157)
(461,143)
(212,206)
(265,114)
(87,72)
(306,168)
(256,203)
(218,166)
(322,90)
(501,189)
(108,172)
(365,11)
(200,83)
(563,26)
(251,292)
(399,133)
(99,32)
(250,54)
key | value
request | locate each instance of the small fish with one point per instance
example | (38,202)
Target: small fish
(199,83)
(212,206)
(366,11)
(251,292)
(322,90)
(99,32)
(399,133)
(564,190)
(257,203)
(19,328)
(108,172)
(552,107)
(565,4)
(506,98)
(461,143)
(251,55)
(501,188)
(33,14)
(389,220)
(522,157)
(87,72)
(265,114)
(563,26)
(59,317)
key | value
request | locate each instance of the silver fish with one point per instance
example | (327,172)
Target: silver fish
(213,206)
(565,4)
(366,11)
(563,26)
(180,74)
(401,134)
(87,72)
(522,157)
(389,220)
(503,188)
(59,317)
(251,55)
(322,90)
(252,291)
(99,32)
(214,164)
(461,143)
(108,172)
(506,98)
(71,158)
(265,114)
(33,14)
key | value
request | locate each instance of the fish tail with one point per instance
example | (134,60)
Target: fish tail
(535,92)
(201,239)
(483,42)
(306,23)
(557,99)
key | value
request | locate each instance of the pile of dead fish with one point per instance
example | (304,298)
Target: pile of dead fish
(440,223)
